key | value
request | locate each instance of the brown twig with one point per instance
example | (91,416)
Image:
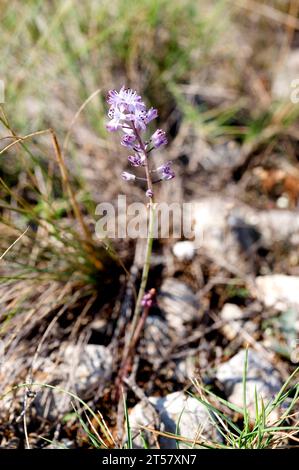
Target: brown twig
(127,359)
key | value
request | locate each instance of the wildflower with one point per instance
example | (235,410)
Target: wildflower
(126,98)
(115,97)
(131,101)
(126,106)
(166,172)
(116,116)
(159,138)
(128,113)
(128,176)
(151,115)
(139,119)
(128,140)
(135,160)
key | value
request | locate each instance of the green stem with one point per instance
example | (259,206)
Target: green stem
(145,271)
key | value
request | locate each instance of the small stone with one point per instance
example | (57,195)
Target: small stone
(232,315)
(226,155)
(144,414)
(156,341)
(283,202)
(278,225)
(261,376)
(278,290)
(212,218)
(87,369)
(184,251)
(212,233)
(210,223)
(179,304)
(185,369)
(92,365)
(178,414)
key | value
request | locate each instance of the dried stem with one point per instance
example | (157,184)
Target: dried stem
(89,242)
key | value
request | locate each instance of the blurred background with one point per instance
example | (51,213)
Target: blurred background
(220,74)
(224,76)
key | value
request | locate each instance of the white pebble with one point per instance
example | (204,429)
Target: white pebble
(184,251)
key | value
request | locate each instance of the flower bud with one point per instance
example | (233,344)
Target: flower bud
(159,138)
(128,176)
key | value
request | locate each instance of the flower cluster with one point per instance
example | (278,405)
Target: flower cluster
(126,107)
(129,114)
(149,298)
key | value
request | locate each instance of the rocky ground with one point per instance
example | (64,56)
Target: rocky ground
(224,99)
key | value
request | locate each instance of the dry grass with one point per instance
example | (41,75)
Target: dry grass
(207,66)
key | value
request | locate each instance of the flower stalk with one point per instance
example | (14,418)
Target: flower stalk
(128,113)
(146,268)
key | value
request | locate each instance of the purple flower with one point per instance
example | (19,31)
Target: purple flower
(127,107)
(166,172)
(116,116)
(128,176)
(128,113)
(159,138)
(128,140)
(149,193)
(132,101)
(151,114)
(113,97)
(135,160)
(126,98)
(139,119)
